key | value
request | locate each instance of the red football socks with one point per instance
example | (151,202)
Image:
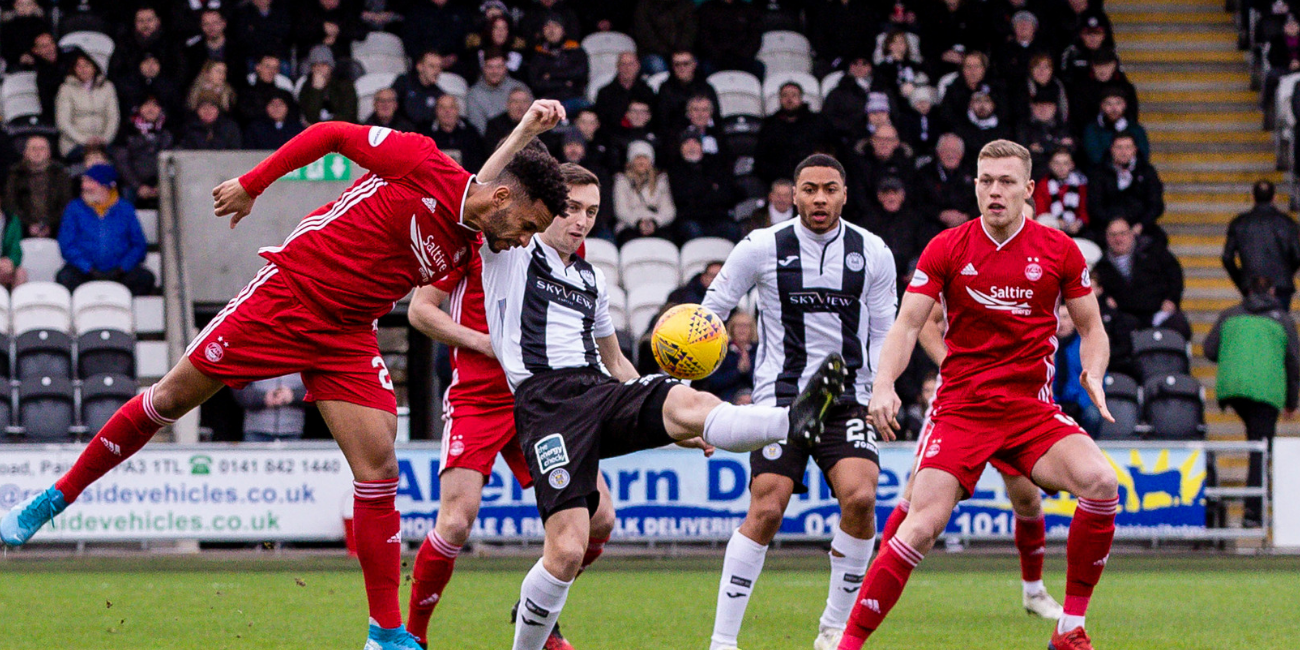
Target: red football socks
(595,546)
(880,590)
(1031,541)
(125,433)
(377,526)
(1086,551)
(896,517)
(434,564)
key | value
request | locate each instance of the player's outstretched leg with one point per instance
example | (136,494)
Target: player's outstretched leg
(133,425)
(1031,543)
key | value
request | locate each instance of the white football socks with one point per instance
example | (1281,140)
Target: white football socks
(1067,623)
(745,428)
(740,569)
(846,576)
(1033,587)
(541,598)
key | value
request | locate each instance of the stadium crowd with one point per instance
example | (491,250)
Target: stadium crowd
(912,90)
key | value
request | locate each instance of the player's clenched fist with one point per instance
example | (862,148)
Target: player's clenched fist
(883,411)
(542,116)
(230,198)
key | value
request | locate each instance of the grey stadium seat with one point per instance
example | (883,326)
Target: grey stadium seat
(45,409)
(1124,400)
(1158,352)
(1175,407)
(105,352)
(42,353)
(101,396)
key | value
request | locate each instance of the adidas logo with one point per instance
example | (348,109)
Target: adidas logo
(1102,561)
(431,600)
(871,604)
(1041,550)
(969,270)
(430,203)
(395,539)
(112,446)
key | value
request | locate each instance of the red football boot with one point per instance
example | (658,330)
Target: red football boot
(1075,639)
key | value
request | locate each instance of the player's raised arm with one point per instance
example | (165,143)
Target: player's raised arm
(738,275)
(541,117)
(894,355)
(1094,348)
(426,315)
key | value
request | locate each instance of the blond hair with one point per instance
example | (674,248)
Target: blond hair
(1007,149)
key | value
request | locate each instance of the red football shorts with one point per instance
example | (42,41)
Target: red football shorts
(472,440)
(265,332)
(961,440)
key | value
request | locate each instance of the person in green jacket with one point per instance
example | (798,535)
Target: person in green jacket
(1258,352)
(12,272)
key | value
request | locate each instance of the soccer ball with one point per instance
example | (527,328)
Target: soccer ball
(689,342)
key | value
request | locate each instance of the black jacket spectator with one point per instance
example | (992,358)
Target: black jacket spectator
(453,134)
(18,33)
(263,26)
(37,189)
(1044,133)
(684,82)
(147,80)
(731,32)
(558,69)
(435,25)
(336,26)
(883,158)
(43,59)
(137,157)
(1264,242)
(1153,276)
(787,137)
(981,124)
(535,18)
(956,27)
(418,90)
(845,105)
(1130,191)
(265,134)
(664,26)
(386,113)
(704,192)
(145,37)
(900,223)
(1103,77)
(612,100)
(947,183)
(250,101)
(211,130)
(217,43)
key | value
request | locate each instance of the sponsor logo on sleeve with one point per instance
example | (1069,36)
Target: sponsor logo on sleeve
(377,135)
(919,278)
(1085,278)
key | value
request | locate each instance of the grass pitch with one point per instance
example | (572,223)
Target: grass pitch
(1148,602)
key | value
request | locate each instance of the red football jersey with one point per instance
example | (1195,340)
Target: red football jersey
(477,380)
(1000,302)
(398,227)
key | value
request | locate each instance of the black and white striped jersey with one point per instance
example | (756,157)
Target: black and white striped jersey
(817,294)
(541,314)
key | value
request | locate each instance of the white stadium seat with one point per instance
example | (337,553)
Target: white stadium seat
(149,224)
(603,49)
(41,306)
(604,256)
(617,307)
(98,46)
(812,92)
(379,43)
(367,85)
(697,253)
(153,262)
(596,83)
(785,51)
(41,258)
(647,260)
(830,81)
(656,80)
(151,359)
(1092,253)
(643,302)
(739,93)
(102,306)
(456,86)
(149,312)
(4,311)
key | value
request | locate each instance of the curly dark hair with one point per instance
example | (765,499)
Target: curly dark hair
(537,173)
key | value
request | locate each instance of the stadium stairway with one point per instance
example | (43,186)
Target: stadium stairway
(1203,121)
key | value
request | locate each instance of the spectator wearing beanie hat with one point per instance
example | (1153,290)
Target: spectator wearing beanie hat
(100,236)
(643,201)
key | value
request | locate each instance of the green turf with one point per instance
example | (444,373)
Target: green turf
(967,602)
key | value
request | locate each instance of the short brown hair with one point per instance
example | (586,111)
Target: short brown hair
(576,175)
(1007,149)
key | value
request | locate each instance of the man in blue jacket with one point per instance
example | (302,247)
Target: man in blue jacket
(101,238)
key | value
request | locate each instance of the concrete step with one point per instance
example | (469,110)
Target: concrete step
(1238,82)
(1213,196)
(1181,242)
(1207,148)
(1218,220)
(1204,273)
(1227,159)
(1215,305)
(1206,107)
(1201,260)
(1193,16)
(1160,59)
(1206,32)
(1246,97)
(1196,229)
(1246,134)
(1215,284)
(1188,74)
(1234,176)
(1151,118)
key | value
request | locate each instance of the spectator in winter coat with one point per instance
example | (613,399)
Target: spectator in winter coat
(273,409)
(1062,195)
(973,78)
(1283,59)
(663,28)
(500,126)
(845,105)
(1099,133)
(419,91)
(263,24)
(736,373)
(981,124)
(276,126)
(37,189)
(211,130)
(385,113)
(101,238)
(788,136)
(1264,242)
(1042,79)
(86,108)
(1044,131)
(643,200)
(252,98)
(435,26)
(212,84)
(146,37)
(946,183)
(455,137)
(1128,188)
(703,190)
(700,123)
(613,99)
(900,224)
(921,126)
(487,97)
(558,69)
(147,80)
(900,67)
(326,96)
(1143,280)
(683,83)
(779,208)
(137,158)
(1104,76)
(1258,352)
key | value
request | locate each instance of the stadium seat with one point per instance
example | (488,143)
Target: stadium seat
(101,396)
(46,409)
(699,252)
(741,133)
(105,352)
(20,96)
(604,256)
(21,110)
(149,224)
(830,81)
(1124,401)
(596,83)
(1174,406)
(149,314)
(456,86)
(282,82)
(643,302)
(153,262)
(380,44)
(603,49)
(101,306)
(739,93)
(367,85)
(6,369)
(746,208)
(7,413)
(812,92)
(40,353)
(945,82)
(96,45)
(785,51)
(1092,253)
(1158,352)
(649,260)
(41,258)
(4,311)
(618,307)
(152,359)
(41,306)
(656,80)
